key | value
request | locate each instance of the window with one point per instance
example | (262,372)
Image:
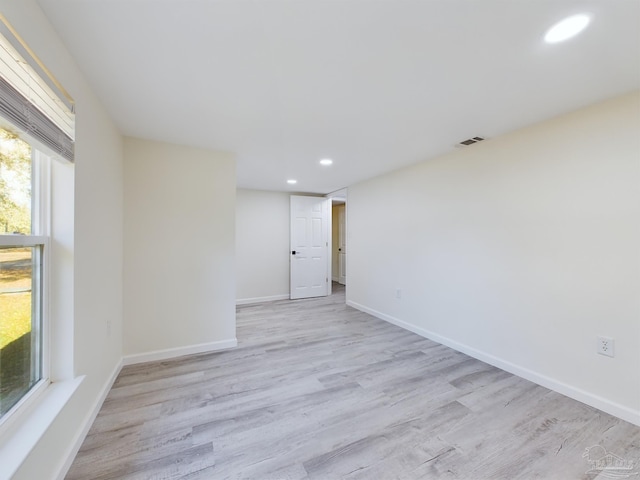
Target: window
(23,245)
(37,120)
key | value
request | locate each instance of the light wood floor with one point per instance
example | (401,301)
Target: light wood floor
(318,390)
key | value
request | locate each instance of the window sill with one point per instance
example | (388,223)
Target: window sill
(31,425)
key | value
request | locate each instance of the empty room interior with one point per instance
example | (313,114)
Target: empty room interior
(319,239)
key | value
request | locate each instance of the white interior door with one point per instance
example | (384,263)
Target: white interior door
(309,247)
(342,247)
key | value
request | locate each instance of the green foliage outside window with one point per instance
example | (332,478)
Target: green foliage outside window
(15,184)
(16,273)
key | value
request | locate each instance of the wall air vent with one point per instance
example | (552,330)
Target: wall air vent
(470,141)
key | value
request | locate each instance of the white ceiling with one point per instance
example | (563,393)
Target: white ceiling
(373,84)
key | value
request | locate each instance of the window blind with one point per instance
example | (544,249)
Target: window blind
(29,102)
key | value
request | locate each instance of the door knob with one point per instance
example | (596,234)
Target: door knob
(293,252)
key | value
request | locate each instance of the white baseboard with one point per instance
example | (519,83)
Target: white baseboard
(179,351)
(88,421)
(248,301)
(613,408)
(335,279)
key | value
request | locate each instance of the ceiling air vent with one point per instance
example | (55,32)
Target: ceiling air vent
(470,141)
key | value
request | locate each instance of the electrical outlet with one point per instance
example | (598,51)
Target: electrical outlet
(606,346)
(398,293)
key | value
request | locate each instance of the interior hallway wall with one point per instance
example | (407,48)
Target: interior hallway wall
(335,271)
(336,210)
(179,250)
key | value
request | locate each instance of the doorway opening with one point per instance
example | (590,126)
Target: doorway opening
(338,241)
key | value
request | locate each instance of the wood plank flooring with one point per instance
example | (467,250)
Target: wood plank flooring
(318,390)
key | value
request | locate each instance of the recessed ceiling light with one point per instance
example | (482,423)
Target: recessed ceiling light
(567,28)
(291,181)
(326,161)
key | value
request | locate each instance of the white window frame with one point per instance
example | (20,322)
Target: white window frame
(40,237)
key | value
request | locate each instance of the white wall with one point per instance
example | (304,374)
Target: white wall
(262,245)
(88,275)
(179,256)
(520,250)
